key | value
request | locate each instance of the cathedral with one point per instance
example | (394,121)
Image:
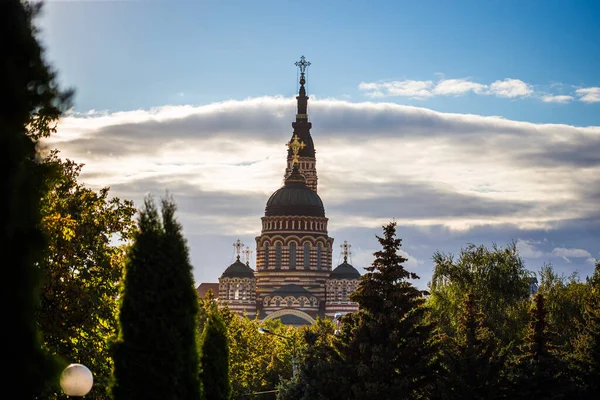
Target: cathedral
(293,280)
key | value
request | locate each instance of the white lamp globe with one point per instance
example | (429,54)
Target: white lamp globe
(76,380)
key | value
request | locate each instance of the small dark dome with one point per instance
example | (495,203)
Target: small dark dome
(291,290)
(238,270)
(295,198)
(344,271)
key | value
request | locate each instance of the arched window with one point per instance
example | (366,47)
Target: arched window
(228,292)
(292,255)
(266,256)
(306,255)
(278,256)
(344,293)
(319,251)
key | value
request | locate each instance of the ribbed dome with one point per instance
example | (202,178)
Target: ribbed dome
(344,271)
(238,270)
(295,198)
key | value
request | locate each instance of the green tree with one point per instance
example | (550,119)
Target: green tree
(586,357)
(473,361)
(539,369)
(498,280)
(156,354)
(257,362)
(564,299)
(33,105)
(317,377)
(385,347)
(83,267)
(215,359)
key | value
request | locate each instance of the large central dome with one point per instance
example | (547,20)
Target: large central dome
(295,198)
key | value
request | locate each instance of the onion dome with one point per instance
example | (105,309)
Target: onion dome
(344,271)
(295,198)
(238,270)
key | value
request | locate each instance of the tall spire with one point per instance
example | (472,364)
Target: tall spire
(302,99)
(303,159)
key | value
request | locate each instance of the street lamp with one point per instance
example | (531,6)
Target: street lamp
(263,330)
(76,380)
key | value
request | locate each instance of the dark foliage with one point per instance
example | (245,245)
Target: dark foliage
(31,108)
(156,354)
(215,359)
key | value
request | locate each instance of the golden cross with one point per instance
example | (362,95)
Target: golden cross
(295,145)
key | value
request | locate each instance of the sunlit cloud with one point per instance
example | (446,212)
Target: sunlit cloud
(376,162)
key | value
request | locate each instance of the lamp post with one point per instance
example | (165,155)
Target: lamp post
(263,330)
(76,381)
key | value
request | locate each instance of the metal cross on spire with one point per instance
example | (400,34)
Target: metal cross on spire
(346,250)
(247,254)
(302,64)
(295,145)
(238,245)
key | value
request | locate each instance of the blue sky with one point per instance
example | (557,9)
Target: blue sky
(182,75)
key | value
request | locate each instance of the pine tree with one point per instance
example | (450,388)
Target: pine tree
(473,361)
(385,347)
(586,358)
(156,354)
(33,103)
(539,370)
(215,359)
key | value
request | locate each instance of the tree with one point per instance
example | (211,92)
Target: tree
(318,377)
(385,347)
(257,362)
(83,269)
(564,301)
(33,104)
(539,369)
(215,359)
(586,356)
(473,361)
(498,280)
(156,353)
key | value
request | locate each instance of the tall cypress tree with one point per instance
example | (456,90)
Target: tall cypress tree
(215,358)
(33,103)
(156,354)
(385,346)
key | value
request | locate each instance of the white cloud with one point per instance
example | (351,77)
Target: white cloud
(589,95)
(408,88)
(549,98)
(564,252)
(376,161)
(527,248)
(510,88)
(458,86)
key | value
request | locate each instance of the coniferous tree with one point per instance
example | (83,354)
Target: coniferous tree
(215,358)
(472,360)
(586,358)
(385,347)
(33,103)
(539,370)
(156,354)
